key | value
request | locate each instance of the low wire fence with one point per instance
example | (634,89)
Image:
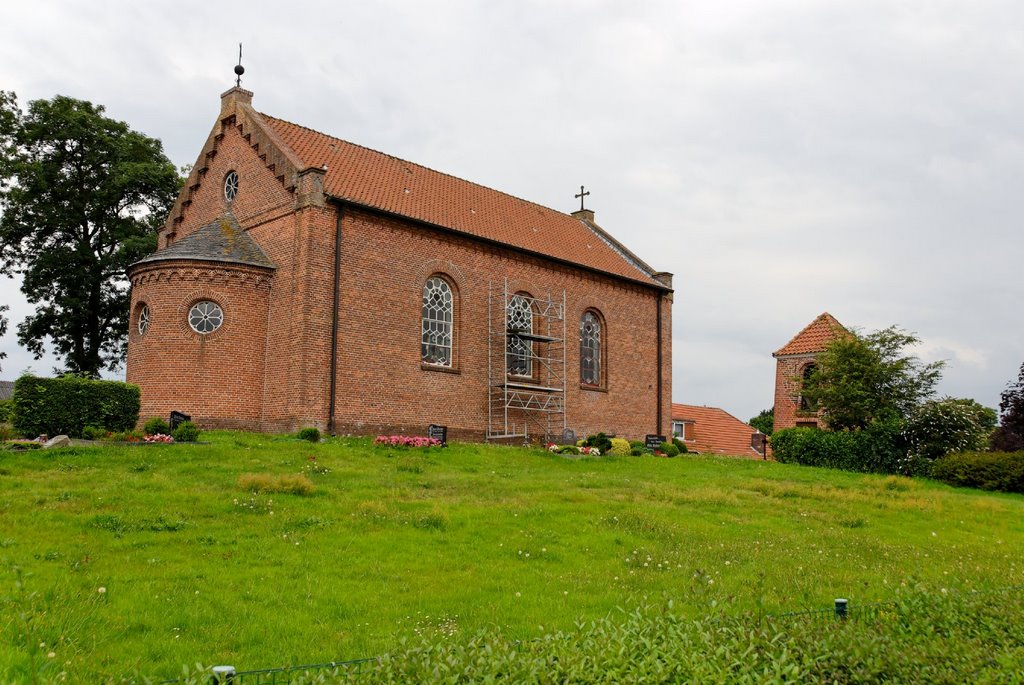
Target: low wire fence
(841,610)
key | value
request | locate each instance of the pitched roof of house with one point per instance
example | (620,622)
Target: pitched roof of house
(716,431)
(6,390)
(373,179)
(815,336)
(222,240)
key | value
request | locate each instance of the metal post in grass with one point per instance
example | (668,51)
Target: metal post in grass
(222,675)
(841,608)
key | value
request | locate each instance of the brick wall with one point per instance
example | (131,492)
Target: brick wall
(788,374)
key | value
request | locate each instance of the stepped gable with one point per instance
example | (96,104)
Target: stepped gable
(222,240)
(815,337)
(716,431)
(379,181)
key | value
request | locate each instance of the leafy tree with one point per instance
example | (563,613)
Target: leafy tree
(939,427)
(860,379)
(81,196)
(1009,437)
(765,421)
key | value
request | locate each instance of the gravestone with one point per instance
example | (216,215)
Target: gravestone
(439,433)
(178,418)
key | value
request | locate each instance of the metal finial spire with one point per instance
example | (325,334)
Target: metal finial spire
(239,69)
(581,195)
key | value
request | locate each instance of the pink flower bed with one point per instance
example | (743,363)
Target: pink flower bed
(406,441)
(159,437)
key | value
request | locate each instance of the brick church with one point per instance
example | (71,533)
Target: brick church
(302,280)
(794,362)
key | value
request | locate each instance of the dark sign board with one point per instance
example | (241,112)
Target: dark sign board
(439,433)
(653,442)
(178,418)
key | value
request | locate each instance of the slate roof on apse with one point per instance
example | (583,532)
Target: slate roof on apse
(6,390)
(815,337)
(222,240)
(716,430)
(373,179)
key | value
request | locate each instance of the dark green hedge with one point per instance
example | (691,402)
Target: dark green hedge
(66,405)
(1002,471)
(5,411)
(879,448)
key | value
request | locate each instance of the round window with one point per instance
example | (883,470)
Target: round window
(231,185)
(143,323)
(205,317)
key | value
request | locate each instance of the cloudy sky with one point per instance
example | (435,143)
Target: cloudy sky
(781,158)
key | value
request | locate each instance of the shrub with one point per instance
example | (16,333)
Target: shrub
(566,449)
(5,410)
(879,448)
(94,433)
(634,444)
(124,436)
(637,451)
(669,450)
(311,434)
(289,483)
(66,405)
(6,433)
(156,426)
(948,425)
(1002,471)
(600,441)
(185,432)
(620,447)
(680,444)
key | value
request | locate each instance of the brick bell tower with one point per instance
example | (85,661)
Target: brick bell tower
(794,362)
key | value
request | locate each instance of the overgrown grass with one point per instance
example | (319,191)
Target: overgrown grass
(395,545)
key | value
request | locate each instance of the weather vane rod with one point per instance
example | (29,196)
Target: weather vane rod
(239,69)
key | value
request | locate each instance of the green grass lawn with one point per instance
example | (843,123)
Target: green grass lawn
(138,560)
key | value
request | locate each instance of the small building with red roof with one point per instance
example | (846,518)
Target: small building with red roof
(710,430)
(304,280)
(794,362)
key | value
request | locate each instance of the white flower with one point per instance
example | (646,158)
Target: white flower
(102,590)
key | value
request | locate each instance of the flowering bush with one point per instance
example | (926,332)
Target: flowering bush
(406,441)
(572,449)
(159,437)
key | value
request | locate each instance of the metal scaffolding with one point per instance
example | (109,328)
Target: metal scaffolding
(525,364)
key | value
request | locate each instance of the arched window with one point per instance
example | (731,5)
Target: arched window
(590,349)
(519,316)
(805,375)
(438,317)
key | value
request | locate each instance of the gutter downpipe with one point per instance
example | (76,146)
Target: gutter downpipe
(334,318)
(660,363)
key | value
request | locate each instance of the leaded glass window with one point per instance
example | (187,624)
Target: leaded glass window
(519,318)
(437,322)
(143,322)
(231,185)
(205,317)
(590,349)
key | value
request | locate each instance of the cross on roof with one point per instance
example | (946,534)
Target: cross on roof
(581,195)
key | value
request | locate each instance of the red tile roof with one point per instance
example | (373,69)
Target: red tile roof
(716,431)
(373,179)
(815,337)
